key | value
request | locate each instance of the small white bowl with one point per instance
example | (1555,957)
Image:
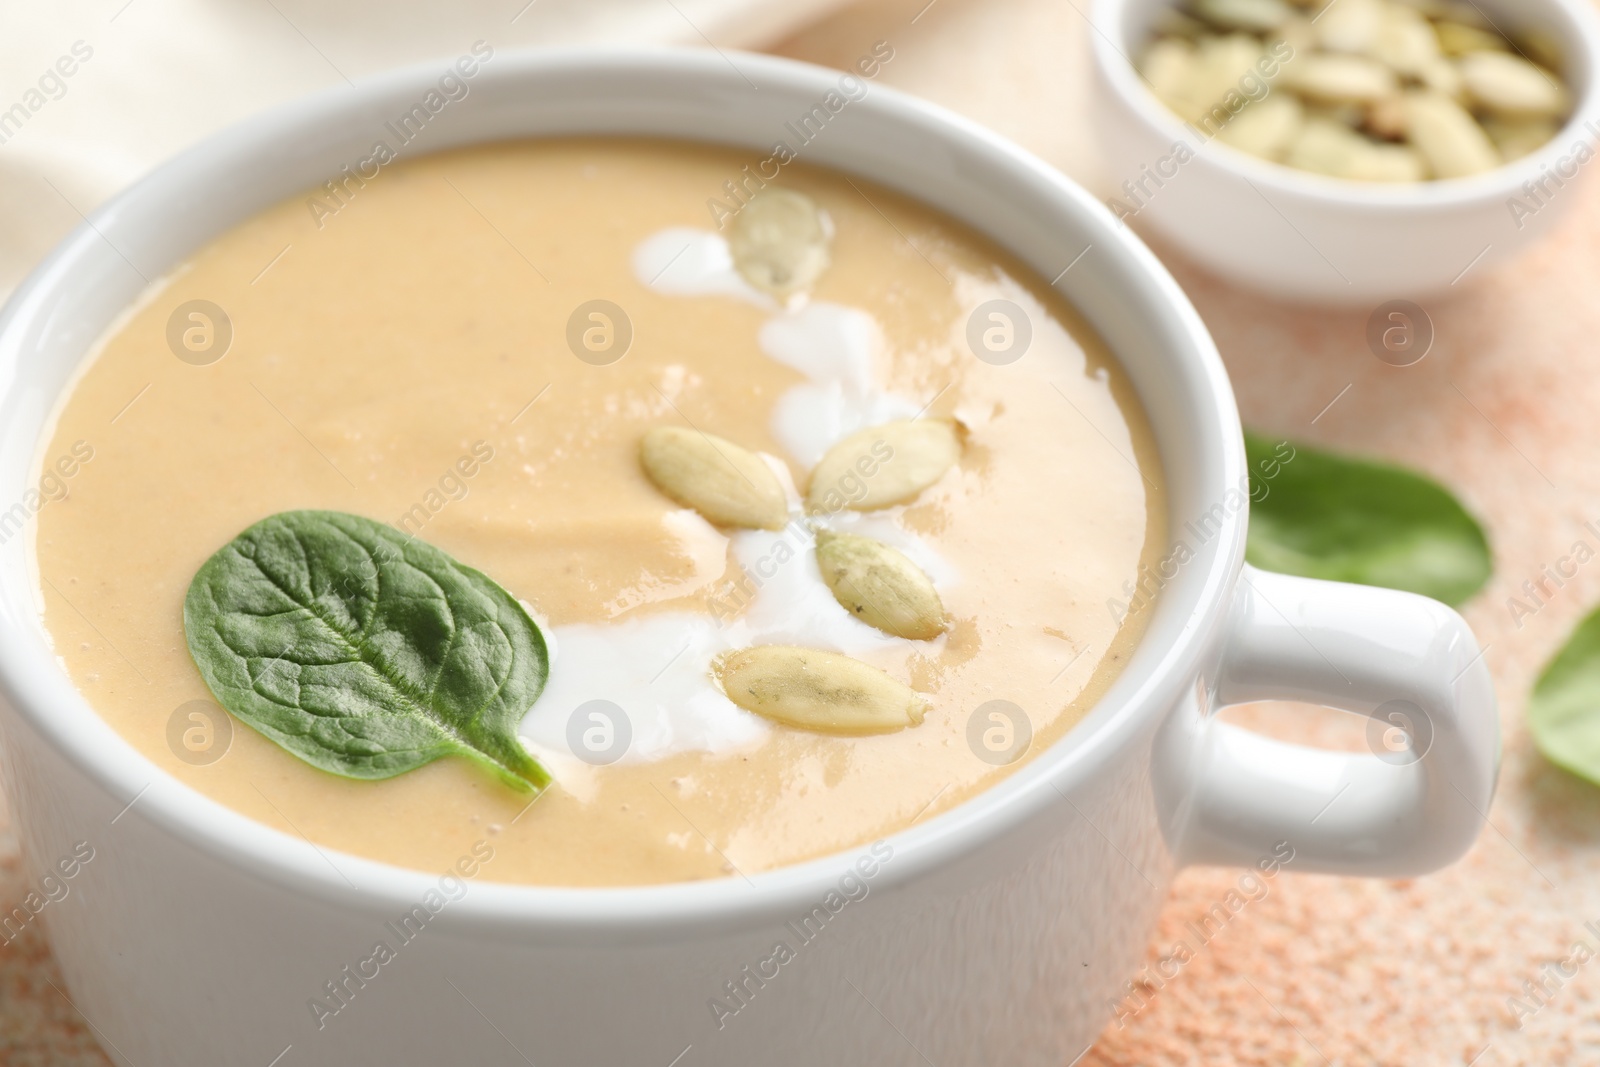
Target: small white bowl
(1316,239)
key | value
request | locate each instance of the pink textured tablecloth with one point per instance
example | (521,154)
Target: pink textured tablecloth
(1504,410)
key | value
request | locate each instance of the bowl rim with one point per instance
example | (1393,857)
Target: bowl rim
(1581,128)
(1193,606)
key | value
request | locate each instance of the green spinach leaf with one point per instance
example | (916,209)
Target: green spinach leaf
(1353,520)
(1564,712)
(364,652)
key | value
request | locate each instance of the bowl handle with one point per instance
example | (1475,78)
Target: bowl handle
(1408,663)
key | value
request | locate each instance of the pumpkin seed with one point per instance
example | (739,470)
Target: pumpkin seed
(1457,39)
(1448,137)
(779,241)
(729,485)
(880,586)
(1349,25)
(1510,85)
(1340,79)
(1405,42)
(1254,16)
(1266,128)
(815,690)
(1517,138)
(884,465)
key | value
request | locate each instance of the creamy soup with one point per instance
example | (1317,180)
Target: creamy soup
(426,350)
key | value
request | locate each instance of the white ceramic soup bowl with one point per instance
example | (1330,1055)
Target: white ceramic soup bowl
(1315,239)
(998,932)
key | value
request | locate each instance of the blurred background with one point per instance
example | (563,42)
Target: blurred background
(1313,970)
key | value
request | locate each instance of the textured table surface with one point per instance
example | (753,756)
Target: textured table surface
(1319,969)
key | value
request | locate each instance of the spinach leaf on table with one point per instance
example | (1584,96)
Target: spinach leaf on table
(1564,711)
(1325,515)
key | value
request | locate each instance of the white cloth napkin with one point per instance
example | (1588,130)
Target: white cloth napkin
(95,95)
